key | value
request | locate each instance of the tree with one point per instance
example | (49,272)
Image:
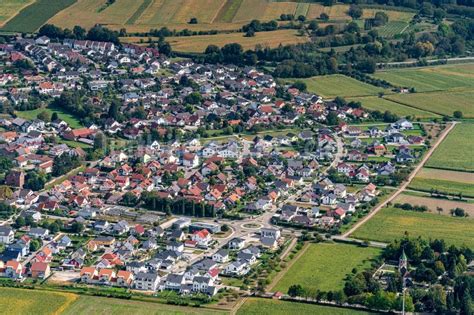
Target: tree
(439,209)
(79,32)
(19,222)
(77,227)
(250,33)
(34,245)
(100,141)
(458,114)
(355,12)
(54,116)
(332,119)
(300,85)
(44,116)
(324,17)
(114,109)
(296,290)
(193,21)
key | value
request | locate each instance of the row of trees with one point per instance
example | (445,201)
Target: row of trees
(181,206)
(97,33)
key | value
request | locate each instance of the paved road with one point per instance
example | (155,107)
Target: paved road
(404,185)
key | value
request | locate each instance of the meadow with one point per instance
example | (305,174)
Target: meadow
(330,86)
(445,186)
(439,78)
(434,173)
(270,39)
(324,266)
(455,153)
(255,306)
(72,121)
(22,301)
(443,103)
(33,16)
(98,305)
(382,105)
(390,224)
(434,203)
(9,8)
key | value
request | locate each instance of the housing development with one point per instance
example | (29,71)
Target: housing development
(189,184)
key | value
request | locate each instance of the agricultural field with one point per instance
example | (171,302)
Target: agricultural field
(443,103)
(390,224)
(428,79)
(392,28)
(455,152)
(255,306)
(433,173)
(31,17)
(200,43)
(32,114)
(434,203)
(98,305)
(330,86)
(317,267)
(22,301)
(9,8)
(382,105)
(445,186)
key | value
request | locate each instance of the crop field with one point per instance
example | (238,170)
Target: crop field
(139,11)
(32,114)
(31,17)
(433,173)
(382,105)
(443,103)
(330,86)
(228,11)
(390,224)
(9,8)
(392,28)
(98,305)
(21,301)
(446,186)
(255,306)
(455,152)
(429,79)
(270,39)
(324,266)
(393,15)
(433,203)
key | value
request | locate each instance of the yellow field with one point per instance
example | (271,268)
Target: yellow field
(455,176)
(433,203)
(9,8)
(251,10)
(274,10)
(270,39)
(86,13)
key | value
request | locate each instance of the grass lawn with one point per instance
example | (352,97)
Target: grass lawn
(33,16)
(457,150)
(255,306)
(22,301)
(99,305)
(330,86)
(324,266)
(446,186)
(390,224)
(72,121)
(382,105)
(439,78)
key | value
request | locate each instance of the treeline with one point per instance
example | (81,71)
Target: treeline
(96,33)
(181,206)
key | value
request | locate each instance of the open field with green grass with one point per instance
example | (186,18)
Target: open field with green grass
(270,39)
(446,186)
(330,86)
(22,301)
(427,79)
(33,16)
(456,151)
(443,103)
(32,114)
(390,224)
(255,306)
(324,266)
(382,105)
(10,8)
(392,28)
(86,305)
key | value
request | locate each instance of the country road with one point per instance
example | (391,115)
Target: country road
(404,185)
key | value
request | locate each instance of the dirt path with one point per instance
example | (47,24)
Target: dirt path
(404,185)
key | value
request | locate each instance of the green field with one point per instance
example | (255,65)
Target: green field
(98,305)
(21,301)
(390,224)
(443,103)
(9,8)
(457,150)
(324,266)
(429,79)
(72,121)
(255,306)
(33,16)
(446,186)
(392,28)
(382,105)
(330,86)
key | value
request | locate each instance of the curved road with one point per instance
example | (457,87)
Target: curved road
(404,185)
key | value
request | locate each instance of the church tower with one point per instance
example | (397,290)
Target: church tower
(403,263)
